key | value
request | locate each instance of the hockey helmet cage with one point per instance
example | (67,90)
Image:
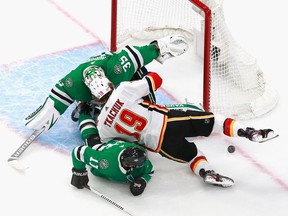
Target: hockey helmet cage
(133,157)
(96,81)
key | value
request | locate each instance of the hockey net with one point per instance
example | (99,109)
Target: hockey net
(233,83)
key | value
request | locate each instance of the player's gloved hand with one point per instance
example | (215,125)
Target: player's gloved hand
(86,108)
(138,186)
(170,46)
(79,178)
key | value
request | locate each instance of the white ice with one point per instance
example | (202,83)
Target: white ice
(33,28)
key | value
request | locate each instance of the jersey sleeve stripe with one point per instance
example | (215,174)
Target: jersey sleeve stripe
(155,80)
(161,137)
(135,56)
(79,152)
(87,124)
(61,96)
(151,84)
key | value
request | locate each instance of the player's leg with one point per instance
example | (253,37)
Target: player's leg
(200,166)
(176,147)
(233,128)
(192,123)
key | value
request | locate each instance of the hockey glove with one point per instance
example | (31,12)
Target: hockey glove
(138,186)
(170,46)
(79,178)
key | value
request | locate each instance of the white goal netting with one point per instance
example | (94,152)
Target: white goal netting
(234,85)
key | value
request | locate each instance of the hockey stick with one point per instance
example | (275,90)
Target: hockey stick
(107,199)
(13,159)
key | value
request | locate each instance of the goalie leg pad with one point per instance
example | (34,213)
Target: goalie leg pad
(185,107)
(44,116)
(170,46)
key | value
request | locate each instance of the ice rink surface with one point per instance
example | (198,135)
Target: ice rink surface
(42,40)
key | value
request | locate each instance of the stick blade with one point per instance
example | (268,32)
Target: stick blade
(16,164)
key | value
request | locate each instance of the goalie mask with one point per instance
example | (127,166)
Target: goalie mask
(133,157)
(97,82)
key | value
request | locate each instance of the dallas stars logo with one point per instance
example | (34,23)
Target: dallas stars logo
(104,164)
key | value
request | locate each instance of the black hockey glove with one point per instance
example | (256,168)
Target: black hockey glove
(92,140)
(138,186)
(79,178)
(86,108)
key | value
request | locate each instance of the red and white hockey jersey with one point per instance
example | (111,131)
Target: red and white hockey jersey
(128,117)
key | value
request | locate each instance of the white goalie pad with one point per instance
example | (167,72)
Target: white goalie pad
(170,46)
(185,106)
(44,116)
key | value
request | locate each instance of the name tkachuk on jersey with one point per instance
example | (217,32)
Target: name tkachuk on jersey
(113,113)
(117,120)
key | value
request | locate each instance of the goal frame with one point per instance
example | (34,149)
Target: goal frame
(207,45)
(257,97)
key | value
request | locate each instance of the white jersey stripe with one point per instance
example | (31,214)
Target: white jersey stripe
(63,94)
(137,55)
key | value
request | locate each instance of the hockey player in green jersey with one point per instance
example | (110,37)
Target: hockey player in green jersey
(88,82)
(116,161)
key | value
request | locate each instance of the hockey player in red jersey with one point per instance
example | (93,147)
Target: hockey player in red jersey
(128,117)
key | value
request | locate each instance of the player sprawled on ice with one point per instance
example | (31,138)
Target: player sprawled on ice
(88,83)
(128,117)
(116,161)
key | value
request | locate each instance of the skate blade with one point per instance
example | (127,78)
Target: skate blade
(269,138)
(225,183)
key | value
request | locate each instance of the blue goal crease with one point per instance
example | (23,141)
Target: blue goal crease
(25,85)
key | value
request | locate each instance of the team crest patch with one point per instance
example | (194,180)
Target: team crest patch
(104,164)
(117,69)
(69,83)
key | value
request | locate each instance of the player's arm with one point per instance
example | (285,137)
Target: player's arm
(160,50)
(170,46)
(163,49)
(138,186)
(83,156)
(141,88)
(79,172)
(149,171)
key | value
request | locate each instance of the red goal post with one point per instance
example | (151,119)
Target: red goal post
(233,83)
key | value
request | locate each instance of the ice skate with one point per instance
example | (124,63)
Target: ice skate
(257,135)
(216,179)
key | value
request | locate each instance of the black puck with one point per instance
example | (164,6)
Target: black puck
(231,149)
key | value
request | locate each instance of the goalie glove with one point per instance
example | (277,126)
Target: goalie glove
(170,46)
(79,178)
(138,186)
(44,116)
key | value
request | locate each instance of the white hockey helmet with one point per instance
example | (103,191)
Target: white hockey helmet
(96,81)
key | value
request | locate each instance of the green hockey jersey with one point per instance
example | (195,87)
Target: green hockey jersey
(105,162)
(118,66)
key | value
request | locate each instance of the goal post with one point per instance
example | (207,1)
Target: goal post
(233,83)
